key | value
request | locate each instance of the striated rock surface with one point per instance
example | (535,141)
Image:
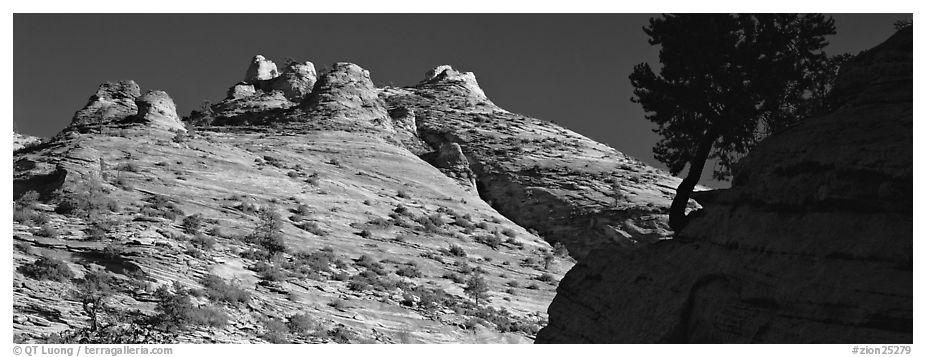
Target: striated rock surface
(812,244)
(157,109)
(113,102)
(565,186)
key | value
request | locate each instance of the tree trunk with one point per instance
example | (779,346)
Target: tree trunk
(677,217)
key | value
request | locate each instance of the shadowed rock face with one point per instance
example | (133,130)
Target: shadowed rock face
(812,244)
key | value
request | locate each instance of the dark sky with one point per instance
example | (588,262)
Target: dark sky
(568,68)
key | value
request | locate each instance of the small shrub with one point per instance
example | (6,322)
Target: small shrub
(203,242)
(269,272)
(410,271)
(47,231)
(513,284)
(28,199)
(533,286)
(218,290)
(301,324)
(23,247)
(454,277)
(192,224)
(366,233)
(275,330)
(128,166)
(176,310)
(490,240)
(47,268)
(456,251)
(403,194)
(312,227)
(508,232)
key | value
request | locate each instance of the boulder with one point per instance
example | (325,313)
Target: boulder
(296,81)
(241,90)
(261,69)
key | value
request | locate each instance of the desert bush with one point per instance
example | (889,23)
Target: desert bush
(410,270)
(341,334)
(23,247)
(216,289)
(28,199)
(128,166)
(371,264)
(269,272)
(533,286)
(203,241)
(366,233)
(47,268)
(403,194)
(176,310)
(508,232)
(192,224)
(456,251)
(455,277)
(47,231)
(275,330)
(490,240)
(301,324)
(312,227)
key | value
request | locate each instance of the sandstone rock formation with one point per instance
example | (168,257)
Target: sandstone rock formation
(20,140)
(262,95)
(157,109)
(261,69)
(812,244)
(346,93)
(445,75)
(113,101)
(296,81)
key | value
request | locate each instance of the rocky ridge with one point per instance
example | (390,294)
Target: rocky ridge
(384,200)
(811,244)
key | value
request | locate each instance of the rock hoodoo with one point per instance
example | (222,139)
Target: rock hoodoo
(812,244)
